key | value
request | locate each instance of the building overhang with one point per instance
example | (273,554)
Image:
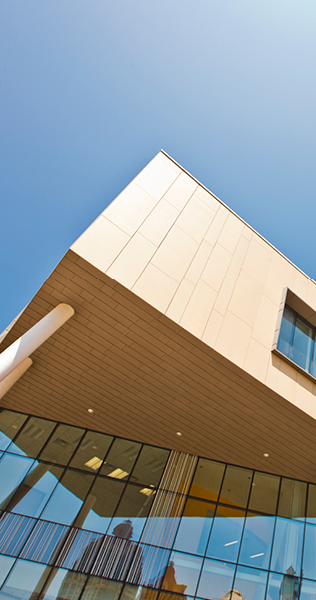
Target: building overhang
(146,378)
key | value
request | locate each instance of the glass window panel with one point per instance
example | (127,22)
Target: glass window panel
(182,573)
(32,438)
(311,504)
(162,524)
(216,580)
(14,531)
(292,500)
(308,590)
(12,470)
(207,479)
(236,486)
(137,592)
(63,585)
(283,587)
(120,459)
(45,539)
(101,503)
(101,589)
(226,533)
(132,511)
(6,563)
(287,546)
(250,583)
(10,424)
(82,549)
(150,465)
(62,444)
(91,451)
(309,560)
(302,344)
(286,331)
(24,580)
(195,526)
(148,566)
(264,493)
(257,541)
(33,493)
(68,497)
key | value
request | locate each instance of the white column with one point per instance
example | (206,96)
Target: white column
(7,383)
(33,338)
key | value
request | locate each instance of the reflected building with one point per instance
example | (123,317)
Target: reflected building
(157,419)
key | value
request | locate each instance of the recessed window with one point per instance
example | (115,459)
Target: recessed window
(297,340)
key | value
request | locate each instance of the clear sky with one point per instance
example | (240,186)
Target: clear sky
(91,90)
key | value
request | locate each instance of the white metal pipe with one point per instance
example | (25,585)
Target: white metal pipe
(7,383)
(33,338)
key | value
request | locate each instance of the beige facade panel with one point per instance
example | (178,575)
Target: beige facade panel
(176,246)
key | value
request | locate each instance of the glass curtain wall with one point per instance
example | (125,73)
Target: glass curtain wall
(85,515)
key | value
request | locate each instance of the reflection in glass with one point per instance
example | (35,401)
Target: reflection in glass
(302,344)
(250,583)
(287,546)
(292,500)
(91,451)
(308,590)
(137,592)
(23,581)
(10,423)
(162,523)
(120,459)
(132,511)
(311,504)
(6,563)
(257,541)
(283,587)
(286,331)
(236,486)
(68,497)
(264,493)
(226,533)
(182,572)
(149,566)
(207,479)
(32,495)
(12,471)
(216,580)
(195,526)
(63,585)
(150,465)
(309,559)
(101,589)
(14,531)
(62,444)
(32,438)
(82,548)
(45,539)
(101,503)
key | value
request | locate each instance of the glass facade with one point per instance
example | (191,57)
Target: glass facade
(85,515)
(297,341)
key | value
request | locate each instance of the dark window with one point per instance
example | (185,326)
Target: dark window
(297,340)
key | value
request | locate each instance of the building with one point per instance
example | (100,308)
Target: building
(158,411)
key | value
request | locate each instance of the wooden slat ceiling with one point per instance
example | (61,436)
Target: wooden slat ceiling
(146,378)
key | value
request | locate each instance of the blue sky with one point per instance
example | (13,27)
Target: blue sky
(92,90)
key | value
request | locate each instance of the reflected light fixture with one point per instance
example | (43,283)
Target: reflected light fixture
(231,543)
(118,474)
(147,491)
(256,555)
(94,463)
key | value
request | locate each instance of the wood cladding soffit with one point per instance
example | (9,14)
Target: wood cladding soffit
(147,378)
